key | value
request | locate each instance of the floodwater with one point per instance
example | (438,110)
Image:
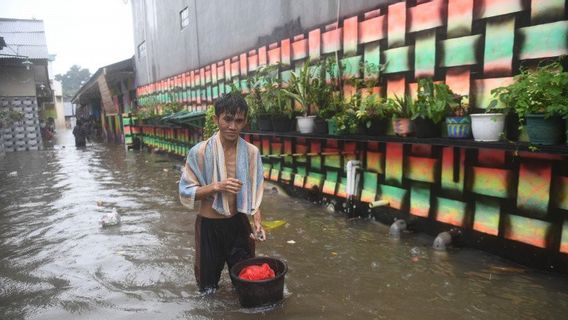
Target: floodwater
(56,262)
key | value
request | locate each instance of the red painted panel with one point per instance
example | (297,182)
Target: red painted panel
(235,66)
(285,51)
(424,150)
(315,146)
(460,17)
(396,86)
(202,76)
(262,56)
(227,69)
(243,64)
(427,16)
(299,49)
(314,37)
(331,40)
(214,74)
(397,24)
(274,55)
(458,79)
(350,35)
(252,60)
(220,70)
(372,29)
(491,157)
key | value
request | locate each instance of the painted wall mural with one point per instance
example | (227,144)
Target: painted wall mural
(473,46)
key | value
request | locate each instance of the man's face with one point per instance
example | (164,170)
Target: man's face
(230,125)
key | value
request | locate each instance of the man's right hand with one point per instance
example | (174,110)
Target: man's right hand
(231,185)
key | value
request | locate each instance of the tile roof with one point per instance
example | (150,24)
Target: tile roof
(23,37)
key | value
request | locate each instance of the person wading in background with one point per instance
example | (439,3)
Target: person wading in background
(80,134)
(225,174)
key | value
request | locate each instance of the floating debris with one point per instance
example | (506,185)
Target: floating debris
(271,225)
(13,174)
(110,219)
(290,242)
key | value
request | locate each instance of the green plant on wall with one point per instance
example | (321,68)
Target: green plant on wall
(400,107)
(301,88)
(434,101)
(7,117)
(210,127)
(371,107)
(540,91)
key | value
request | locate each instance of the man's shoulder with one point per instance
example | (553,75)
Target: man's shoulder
(250,147)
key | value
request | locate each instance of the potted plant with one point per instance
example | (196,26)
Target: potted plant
(458,122)
(372,114)
(400,109)
(259,110)
(539,97)
(431,107)
(300,89)
(276,101)
(346,120)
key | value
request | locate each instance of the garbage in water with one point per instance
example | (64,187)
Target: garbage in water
(99,203)
(257,272)
(271,225)
(290,242)
(13,174)
(110,219)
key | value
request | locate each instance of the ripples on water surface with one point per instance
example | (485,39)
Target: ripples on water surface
(57,263)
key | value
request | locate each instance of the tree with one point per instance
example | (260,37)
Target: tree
(72,81)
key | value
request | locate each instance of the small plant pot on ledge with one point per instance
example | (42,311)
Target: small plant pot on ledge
(306,124)
(544,131)
(458,127)
(281,123)
(378,127)
(320,126)
(402,127)
(487,126)
(264,122)
(426,128)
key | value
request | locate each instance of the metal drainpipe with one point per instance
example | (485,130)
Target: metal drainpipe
(352,189)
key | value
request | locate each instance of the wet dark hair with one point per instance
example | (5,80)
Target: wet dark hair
(231,103)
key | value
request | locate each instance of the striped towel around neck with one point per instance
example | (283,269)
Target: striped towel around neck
(205,164)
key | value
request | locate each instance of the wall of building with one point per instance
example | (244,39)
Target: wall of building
(16,81)
(223,29)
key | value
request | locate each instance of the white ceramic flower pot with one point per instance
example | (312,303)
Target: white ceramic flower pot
(306,124)
(487,126)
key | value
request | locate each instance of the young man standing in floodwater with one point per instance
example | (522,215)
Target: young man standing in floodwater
(225,174)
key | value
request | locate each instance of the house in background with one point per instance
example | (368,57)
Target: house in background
(24,81)
(106,96)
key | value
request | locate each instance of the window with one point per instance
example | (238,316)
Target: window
(142,50)
(184,17)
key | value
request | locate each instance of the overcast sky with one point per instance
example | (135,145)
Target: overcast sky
(89,33)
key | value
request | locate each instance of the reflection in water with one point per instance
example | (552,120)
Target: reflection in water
(57,263)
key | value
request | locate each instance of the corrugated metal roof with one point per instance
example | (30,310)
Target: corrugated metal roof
(24,38)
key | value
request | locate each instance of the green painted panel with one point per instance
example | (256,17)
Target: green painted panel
(301,171)
(460,51)
(499,41)
(425,61)
(491,182)
(397,60)
(562,194)
(564,241)
(447,182)
(370,180)
(545,40)
(420,199)
(315,162)
(393,166)
(375,161)
(332,161)
(486,218)
(372,57)
(527,230)
(395,196)
(352,67)
(451,211)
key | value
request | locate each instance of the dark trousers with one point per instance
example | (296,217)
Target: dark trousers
(220,241)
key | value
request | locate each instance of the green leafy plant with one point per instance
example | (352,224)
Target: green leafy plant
(400,107)
(543,90)
(301,87)
(347,121)
(210,127)
(8,117)
(461,108)
(433,101)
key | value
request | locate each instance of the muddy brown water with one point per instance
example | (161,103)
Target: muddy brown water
(56,262)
